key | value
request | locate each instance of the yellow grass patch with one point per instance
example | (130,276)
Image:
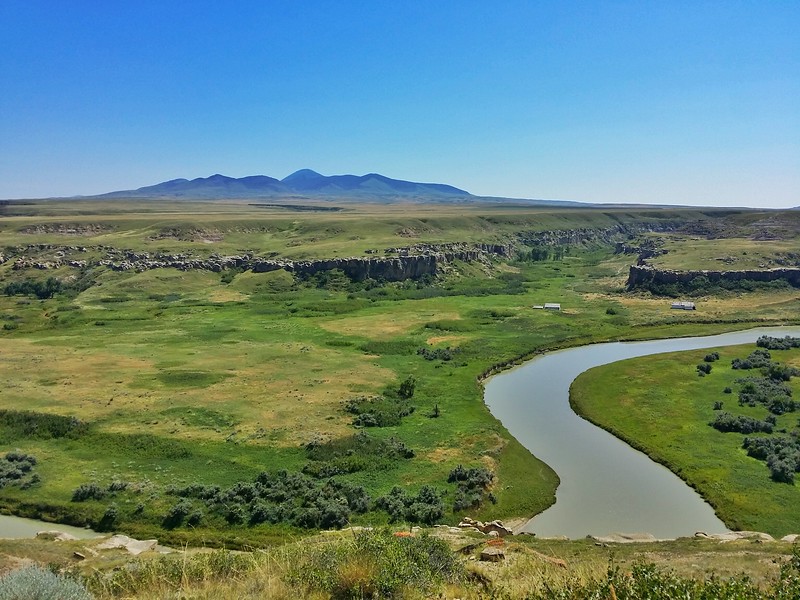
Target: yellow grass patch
(226,295)
(379,326)
(452,340)
(440,455)
(276,394)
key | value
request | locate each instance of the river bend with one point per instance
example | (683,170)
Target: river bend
(606,486)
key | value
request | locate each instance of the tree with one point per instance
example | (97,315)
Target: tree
(407,387)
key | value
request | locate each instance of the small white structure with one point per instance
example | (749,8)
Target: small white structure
(683,305)
(538,306)
(552,306)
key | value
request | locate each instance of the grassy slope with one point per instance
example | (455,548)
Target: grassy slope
(660,405)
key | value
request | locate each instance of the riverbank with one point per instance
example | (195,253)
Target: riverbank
(605,485)
(664,409)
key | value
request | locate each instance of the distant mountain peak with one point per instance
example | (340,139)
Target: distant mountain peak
(305,183)
(301,175)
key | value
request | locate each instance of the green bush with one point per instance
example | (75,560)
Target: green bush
(35,583)
(426,507)
(376,564)
(88,491)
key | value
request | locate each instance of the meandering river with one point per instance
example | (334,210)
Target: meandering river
(606,486)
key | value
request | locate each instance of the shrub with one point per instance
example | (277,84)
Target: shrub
(109,518)
(426,507)
(177,513)
(88,491)
(378,411)
(725,421)
(781,453)
(773,343)
(704,368)
(376,564)
(407,387)
(471,486)
(711,357)
(775,395)
(757,359)
(36,583)
(17,468)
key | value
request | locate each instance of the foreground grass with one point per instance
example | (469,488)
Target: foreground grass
(435,563)
(659,405)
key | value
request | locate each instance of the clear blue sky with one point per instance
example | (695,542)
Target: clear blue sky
(665,102)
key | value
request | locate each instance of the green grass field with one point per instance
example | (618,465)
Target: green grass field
(188,377)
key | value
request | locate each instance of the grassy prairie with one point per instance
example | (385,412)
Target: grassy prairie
(194,377)
(660,405)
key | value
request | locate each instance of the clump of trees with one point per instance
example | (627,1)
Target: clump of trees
(31,287)
(471,485)
(378,411)
(703,368)
(757,359)
(283,497)
(776,396)
(781,453)
(359,452)
(776,343)
(443,354)
(29,424)
(725,422)
(425,507)
(770,390)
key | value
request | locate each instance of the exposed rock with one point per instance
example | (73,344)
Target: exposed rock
(791,538)
(623,538)
(732,536)
(495,527)
(640,276)
(66,229)
(133,546)
(493,554)
(55,536)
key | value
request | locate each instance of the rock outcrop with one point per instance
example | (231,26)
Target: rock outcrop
(410,262)
(644,276)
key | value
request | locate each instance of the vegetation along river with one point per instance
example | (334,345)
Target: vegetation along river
(606,486)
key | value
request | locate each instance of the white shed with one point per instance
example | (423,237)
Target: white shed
(683,305)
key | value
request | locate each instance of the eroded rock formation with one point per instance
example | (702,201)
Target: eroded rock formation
(645,276)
